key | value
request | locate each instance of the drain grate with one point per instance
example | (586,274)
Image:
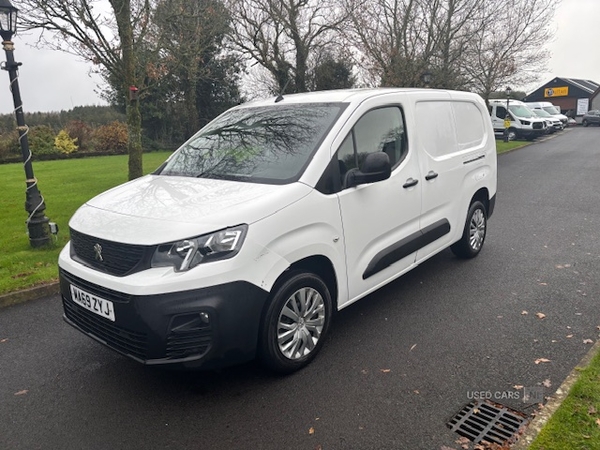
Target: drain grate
(487,422)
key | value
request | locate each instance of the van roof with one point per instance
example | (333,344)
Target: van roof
(504,100)
(340,95)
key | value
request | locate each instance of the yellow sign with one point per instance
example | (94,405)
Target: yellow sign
(556,92)
(506,123)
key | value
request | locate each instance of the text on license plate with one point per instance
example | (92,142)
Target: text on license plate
(92,303)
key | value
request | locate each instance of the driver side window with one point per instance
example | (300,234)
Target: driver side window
(379,130)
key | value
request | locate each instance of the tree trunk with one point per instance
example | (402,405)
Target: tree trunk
(134,143)
(122,9)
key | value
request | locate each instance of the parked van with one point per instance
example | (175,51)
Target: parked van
(554,111)
(274,215)
(523,123)
(552,123)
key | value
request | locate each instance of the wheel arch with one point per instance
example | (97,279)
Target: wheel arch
(319,265)
(482,195)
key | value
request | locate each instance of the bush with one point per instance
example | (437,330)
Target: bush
(82,133)
(9,145)
(41,141)
(111,138)
(64,143)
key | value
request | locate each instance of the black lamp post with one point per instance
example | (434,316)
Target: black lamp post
(426,78)
(507,118)
(37,222)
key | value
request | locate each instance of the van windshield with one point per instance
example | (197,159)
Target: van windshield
(269,144)
(551,109)
(541,113)
(520,111)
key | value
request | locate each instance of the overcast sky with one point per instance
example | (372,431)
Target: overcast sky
(52,81)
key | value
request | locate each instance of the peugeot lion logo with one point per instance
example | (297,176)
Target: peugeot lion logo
(98,250)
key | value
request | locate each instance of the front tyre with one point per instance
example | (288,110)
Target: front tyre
(295,322)
(474,233)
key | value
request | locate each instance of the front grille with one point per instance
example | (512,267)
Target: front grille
(107,256)
(537,125)
(123,340)
(105,293)
(181,345)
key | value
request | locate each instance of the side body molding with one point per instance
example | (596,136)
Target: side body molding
(406,246)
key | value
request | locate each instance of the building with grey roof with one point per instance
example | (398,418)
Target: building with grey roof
(573,95)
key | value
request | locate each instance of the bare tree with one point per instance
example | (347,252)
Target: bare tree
(189,31)
(465,44)
(104,34)
(388,36)
(510,49)
(283,36)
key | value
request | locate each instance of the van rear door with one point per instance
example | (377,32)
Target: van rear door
(451,139)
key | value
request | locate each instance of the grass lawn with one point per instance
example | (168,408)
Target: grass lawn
(502,147)
(65,185)
(576,423)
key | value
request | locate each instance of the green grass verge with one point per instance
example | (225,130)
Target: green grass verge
(65,185)
(576,423)
(503,147)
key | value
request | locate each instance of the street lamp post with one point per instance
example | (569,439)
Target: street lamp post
(37,222)
(507,117)
(426,78)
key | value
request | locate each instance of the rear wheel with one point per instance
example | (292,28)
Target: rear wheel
(295,322)
(584,123)
(474,233)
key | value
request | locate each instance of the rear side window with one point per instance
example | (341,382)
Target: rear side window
(469,125)
(435,127)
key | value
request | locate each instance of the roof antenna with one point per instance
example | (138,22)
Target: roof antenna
(280,96)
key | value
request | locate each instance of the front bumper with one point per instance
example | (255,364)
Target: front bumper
(202,328)
(527,133)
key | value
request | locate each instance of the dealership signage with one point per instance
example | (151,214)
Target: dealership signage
(556,92)
(583,104)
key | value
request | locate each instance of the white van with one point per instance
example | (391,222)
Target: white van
(523,123)
(552,123)
(554,111)
(275,215)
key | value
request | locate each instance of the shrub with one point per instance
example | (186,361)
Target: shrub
(111,138)
(9,145)
(64,143)
(41,140)
(80,132)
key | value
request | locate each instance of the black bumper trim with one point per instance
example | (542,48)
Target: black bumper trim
(167,329)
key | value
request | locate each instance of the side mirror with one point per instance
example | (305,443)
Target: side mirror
(376,167)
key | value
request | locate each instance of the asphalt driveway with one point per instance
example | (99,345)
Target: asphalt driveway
(397,365)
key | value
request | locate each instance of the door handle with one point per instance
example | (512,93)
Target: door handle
(431,175)
(410,183)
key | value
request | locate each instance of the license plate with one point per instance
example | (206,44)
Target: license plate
(93,303)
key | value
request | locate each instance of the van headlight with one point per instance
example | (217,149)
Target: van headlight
(525,122)
(188,253)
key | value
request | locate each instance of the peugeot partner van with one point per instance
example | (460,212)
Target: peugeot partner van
(553,124)
(554,111)
(523,123)
(272,217)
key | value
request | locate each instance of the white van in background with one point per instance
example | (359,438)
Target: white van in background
(554,111)
(552,122)
(524,124)
(273,216)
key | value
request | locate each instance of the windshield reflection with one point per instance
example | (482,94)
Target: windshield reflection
(263,144)
(520,111)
